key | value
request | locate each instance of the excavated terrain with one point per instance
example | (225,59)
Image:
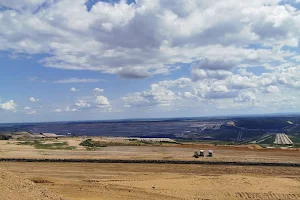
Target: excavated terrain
(102,181)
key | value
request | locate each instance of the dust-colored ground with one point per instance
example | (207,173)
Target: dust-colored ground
(94,181)
(9,149)
(15,187)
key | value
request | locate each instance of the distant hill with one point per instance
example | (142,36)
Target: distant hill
(226,128)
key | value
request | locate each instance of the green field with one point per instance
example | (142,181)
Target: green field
(295,139)
(52,146)
(268,140)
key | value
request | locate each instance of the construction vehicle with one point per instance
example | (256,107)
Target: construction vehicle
(201,153)
(196,155)
(210,153)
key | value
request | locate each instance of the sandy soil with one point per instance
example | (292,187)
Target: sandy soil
(92,181)
(15,187)
(171,152)
(81,181)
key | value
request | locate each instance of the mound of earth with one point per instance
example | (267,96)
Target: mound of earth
(14,188)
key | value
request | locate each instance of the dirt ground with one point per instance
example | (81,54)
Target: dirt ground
(92,181)
(16,187)
(9,149)
(99,181)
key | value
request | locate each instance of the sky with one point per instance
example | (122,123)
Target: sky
(63,60)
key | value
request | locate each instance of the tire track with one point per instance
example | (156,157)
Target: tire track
(269,196)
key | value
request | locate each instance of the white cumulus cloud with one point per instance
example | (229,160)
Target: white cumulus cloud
(247,97)
(9,106)
(82,103)
(215,34)
(102,102)
(32,99)
(238,52)
(98,90)
(73,89)
(70,109)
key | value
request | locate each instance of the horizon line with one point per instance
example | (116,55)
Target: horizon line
(162,118)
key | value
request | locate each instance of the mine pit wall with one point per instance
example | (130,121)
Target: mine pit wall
(152,162)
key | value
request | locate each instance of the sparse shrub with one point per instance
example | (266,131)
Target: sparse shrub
(27,143)
(5,137)
(90,143)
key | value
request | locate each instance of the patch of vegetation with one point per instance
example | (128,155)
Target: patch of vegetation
(170,142)
(93,145)
(27,142)
(264,145)
(179,141)
(132,140)
(150,142)
(269,140)
(5,137)
(294,139)
(57,145)
(52,146)
(226,143)
(296,145)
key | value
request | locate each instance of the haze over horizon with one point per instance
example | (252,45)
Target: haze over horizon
(95,60)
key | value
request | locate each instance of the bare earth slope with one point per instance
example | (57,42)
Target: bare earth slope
(16,188)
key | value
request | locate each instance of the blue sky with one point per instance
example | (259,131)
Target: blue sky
(93,60)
